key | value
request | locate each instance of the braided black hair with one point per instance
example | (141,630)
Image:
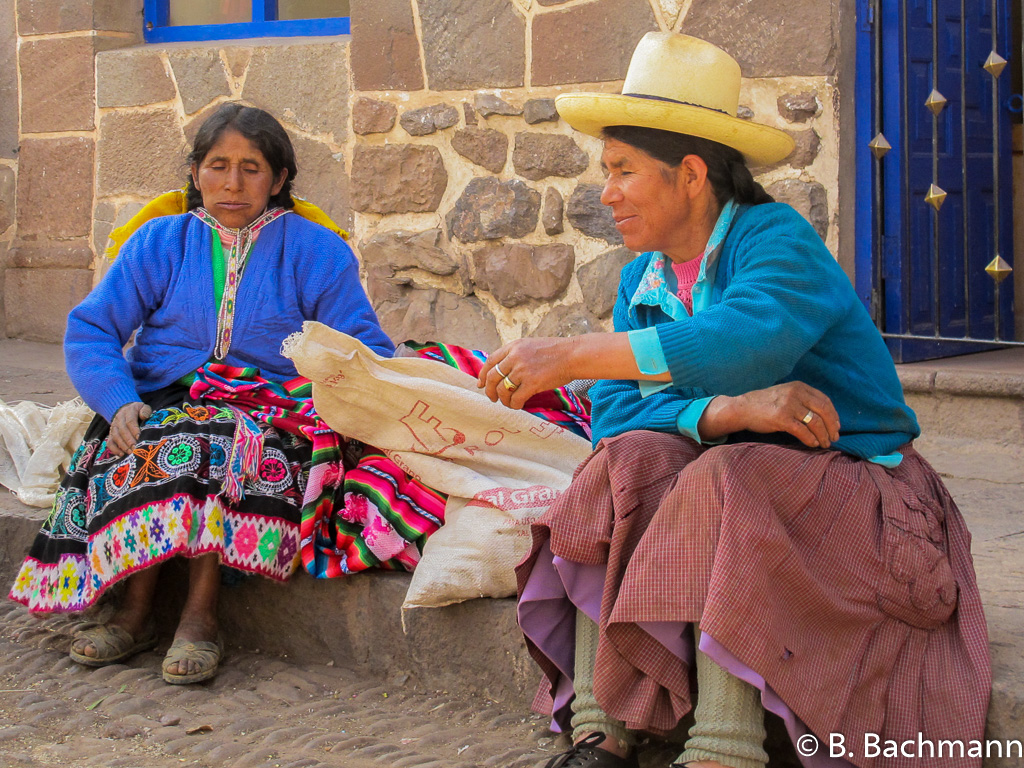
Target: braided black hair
(259,127)
(727,170)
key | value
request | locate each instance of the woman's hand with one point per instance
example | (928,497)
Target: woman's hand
(125,427)
(794,407)
(517,371)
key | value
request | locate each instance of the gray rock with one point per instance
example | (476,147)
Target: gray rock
(485,147)
(553,213)
(373,116)
(517,272)
(397,178)
(432,315)
(807,146)
(567,321)
(469,113)
(599,280)
(200,75)
(139,153)
(427,120)
(587,214)
(799,107)
(743,112)
(7,187)
(399,249)
(51,173)
(316,103)
(58,87)
(807,197)
(489,208)
(473,44)
(601,53)
(540,111)
(9,110)
(769,38)
(322,178)
(539,155)
(488,104)
(385,50)
(132,77)
(237,59)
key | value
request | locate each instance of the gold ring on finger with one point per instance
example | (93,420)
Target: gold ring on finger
(807,419)
(509,385)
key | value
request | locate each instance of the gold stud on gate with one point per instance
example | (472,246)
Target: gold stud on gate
(936,196)
(994,64)
(879,146)
(936,102)
(998,269)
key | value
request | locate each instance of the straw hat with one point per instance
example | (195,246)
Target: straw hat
(682,84)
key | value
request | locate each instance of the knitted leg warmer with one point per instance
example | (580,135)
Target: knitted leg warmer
(588,716)
(729,727)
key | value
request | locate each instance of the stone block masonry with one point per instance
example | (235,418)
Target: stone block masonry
(456,142)
(430,132)
(48,111)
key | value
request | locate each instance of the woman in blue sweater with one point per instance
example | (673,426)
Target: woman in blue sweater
(754,529)
(204,441)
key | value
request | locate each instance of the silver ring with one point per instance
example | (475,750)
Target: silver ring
(497,367)
(808,418)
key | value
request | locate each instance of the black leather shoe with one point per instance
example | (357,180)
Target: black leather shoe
(585,754)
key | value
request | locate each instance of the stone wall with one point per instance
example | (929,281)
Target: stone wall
(8,139)
(47,152)
(430,132)
(151,100)
(476,210)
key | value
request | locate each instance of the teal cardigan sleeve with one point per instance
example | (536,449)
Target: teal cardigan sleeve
(616,405)
(779,299)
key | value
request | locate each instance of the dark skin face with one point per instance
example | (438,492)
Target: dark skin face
(236,181)
(658,207)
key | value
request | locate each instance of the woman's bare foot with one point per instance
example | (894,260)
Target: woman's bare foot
(608,745)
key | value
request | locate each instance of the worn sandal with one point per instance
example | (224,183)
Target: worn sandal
(585,754)
(112,644)
(204,653)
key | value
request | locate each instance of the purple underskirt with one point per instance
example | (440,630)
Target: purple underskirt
(547,616)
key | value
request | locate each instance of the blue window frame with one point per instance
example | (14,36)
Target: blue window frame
(264,23)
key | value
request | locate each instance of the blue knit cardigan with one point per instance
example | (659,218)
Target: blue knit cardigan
(162,284)
(781,310)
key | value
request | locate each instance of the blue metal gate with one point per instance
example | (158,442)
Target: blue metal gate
(934,174)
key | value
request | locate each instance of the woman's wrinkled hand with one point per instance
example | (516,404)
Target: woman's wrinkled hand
(126,427)
(793,407)
(517,371)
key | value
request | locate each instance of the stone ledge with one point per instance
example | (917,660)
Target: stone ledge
(959,382)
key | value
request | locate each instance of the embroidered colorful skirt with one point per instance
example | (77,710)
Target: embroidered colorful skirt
(303,494)
(243,467)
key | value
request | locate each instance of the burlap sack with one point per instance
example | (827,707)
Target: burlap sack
(501,468)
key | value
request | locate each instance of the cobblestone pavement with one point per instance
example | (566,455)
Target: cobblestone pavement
(259,711)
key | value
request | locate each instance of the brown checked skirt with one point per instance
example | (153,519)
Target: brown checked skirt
(845,591)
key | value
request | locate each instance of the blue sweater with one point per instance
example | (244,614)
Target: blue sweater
(163,281)
(781,310)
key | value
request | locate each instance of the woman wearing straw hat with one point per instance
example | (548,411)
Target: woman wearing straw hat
(754,529)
